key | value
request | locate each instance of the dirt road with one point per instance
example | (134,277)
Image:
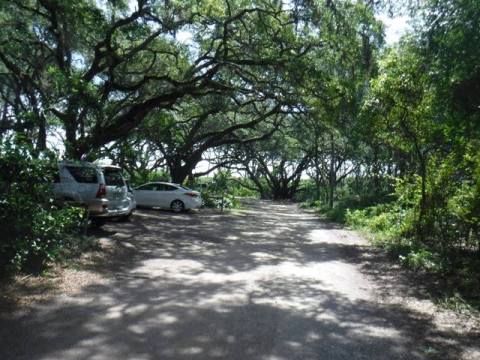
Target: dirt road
(272,282)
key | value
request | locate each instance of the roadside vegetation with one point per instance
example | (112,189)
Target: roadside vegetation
(300,102)
(35,229)
(416,188)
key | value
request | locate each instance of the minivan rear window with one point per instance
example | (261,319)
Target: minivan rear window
(113,177)
(83,174)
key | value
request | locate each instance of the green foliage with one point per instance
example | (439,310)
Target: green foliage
(34,229)
(150,176)
(349,197)
(218,200)
(243,188)
(459,304)
(422,118)
(219,191)
(421,259)
(392,227)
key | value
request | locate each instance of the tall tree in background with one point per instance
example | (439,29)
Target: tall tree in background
(275,165)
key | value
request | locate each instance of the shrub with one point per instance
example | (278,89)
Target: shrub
(421,259)
(222,187)
(213,199)
(34,229)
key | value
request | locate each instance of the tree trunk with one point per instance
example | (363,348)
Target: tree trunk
(376,172)
(423,228)
(72,149)
(281,193)
(285,190)
(42,134)
(179,174)
(181,170)
(332,174)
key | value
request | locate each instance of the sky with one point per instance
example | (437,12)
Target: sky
(394,27)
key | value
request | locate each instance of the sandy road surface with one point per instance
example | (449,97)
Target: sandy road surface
(271,282)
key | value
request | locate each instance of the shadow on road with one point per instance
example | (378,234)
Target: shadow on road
(267,283)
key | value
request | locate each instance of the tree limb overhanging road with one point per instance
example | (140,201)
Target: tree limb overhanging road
(269,282)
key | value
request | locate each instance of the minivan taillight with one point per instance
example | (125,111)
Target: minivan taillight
(102,191)
(192,194)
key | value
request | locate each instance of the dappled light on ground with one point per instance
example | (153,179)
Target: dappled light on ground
(269,283)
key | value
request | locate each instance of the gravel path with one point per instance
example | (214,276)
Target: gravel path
(271,282)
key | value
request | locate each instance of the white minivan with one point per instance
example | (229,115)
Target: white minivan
(121,202)
(81,183)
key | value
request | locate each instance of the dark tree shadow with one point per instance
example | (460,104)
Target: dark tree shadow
(218,286)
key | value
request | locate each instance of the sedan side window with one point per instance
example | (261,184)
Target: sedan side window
(147,187)
(169,188)
(159,187)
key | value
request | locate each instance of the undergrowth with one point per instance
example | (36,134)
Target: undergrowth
(393,226)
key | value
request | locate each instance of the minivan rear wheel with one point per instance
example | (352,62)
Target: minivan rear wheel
(177,206)
(97,223)
(125,218)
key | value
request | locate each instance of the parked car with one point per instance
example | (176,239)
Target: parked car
(121,202)
(83,184)
(167,196)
